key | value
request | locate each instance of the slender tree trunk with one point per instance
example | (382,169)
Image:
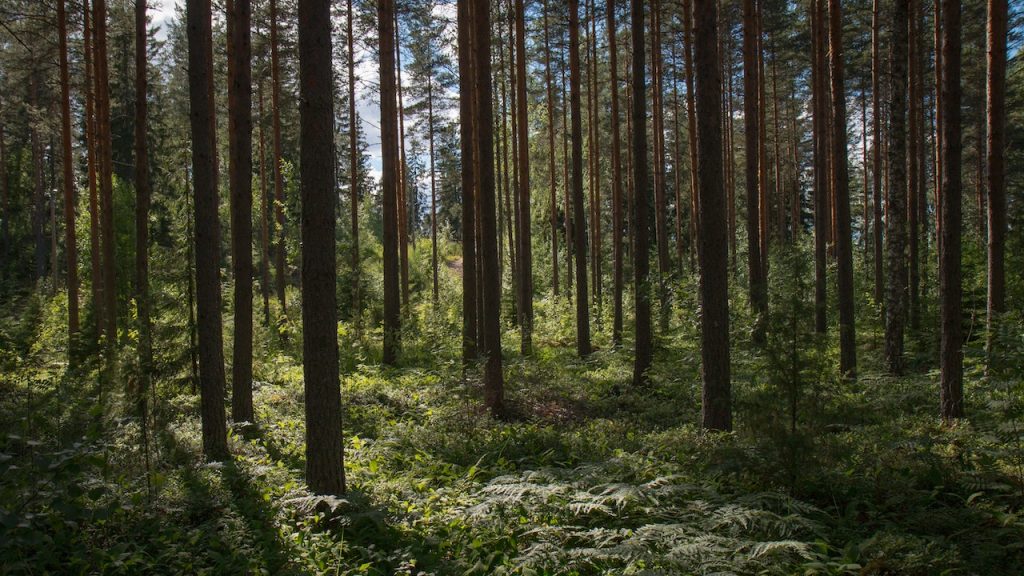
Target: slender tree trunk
(567,186)
(951,358)
(751,121)
(207,237)
(996,146)
(484,136)
(551,152)
(433,183)
(38,186)
(677,163)
(821,179)
(641,252)
(731,149)
(403,177)
(876,149)
(691,124)
(353,167)
(96,264)
(938,7)
(67,163)
(467,128)
(914,168)
(265,216)
(896,232)
(280,254)
(390,181)
(106,183)
(617,223)
(595,152)
(713,253)
(579,219)
(525,276)
(142,203)
(240,184)
(840,177)
(325,471)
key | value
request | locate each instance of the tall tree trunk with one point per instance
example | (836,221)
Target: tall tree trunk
(641,252)
(691,123)
(551,151)
(207,237)
(106,182)
(390,181)
(876,149)
(595,153)
(617,220)
(468,148)
(484,136)
(579,219)
(433,184)
(280,254)
(915,170)
(403,176)
(660,200)
(951,358)
(841,184)
(38,185)
(353,168)
(996,145)
(96,264)
(713,253)
(325,470)
(731,151)
(142,202)
(896,232)
(70,248)
(751,120)
(240,184)
(525,275)
(265,216)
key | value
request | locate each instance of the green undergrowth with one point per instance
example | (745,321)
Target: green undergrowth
(587,475)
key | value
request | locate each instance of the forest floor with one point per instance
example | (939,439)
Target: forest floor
(587,476)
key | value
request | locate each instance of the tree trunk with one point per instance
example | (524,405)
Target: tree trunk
(996,114)
(896,231)
(280,254)
(353,167)
(96,264)
(468,148)
(641,252)
(484,136)
(579,219)
(38,186)
(751,120)
(876,149)
(551,151)
(433,184)
(265,216)
(525,275)
(207,237)
(617,223)
(325,471)
(403,176)
(691,124)
(841,186)
(951,357)
(69,176)
(713,253)
(240,184)
(142,203)
(915,170)
(106,182)
(390,181)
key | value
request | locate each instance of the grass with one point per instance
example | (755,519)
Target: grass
(587,476)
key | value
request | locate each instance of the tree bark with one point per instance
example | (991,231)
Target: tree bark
(280,254)
(617,220)
(641,252)
(996,155)
(714,249)
(240,184)
(106,182)
(493,376)
(207,237)
(751,120)
(951,357)
(67,161)
(468,176)
(552,177)
(325,472)
(579,219)
(390,181)
(353,167)
(96,263)
(896,231)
